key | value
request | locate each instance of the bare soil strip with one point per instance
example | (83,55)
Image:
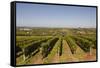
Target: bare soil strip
(90,56)
(83,56)
(80,54)
(36,59)
(67,55)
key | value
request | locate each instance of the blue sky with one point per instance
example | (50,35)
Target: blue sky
(39,15)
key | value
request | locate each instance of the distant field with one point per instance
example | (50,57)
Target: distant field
(55,45)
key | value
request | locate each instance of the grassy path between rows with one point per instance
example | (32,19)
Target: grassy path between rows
(53,57)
